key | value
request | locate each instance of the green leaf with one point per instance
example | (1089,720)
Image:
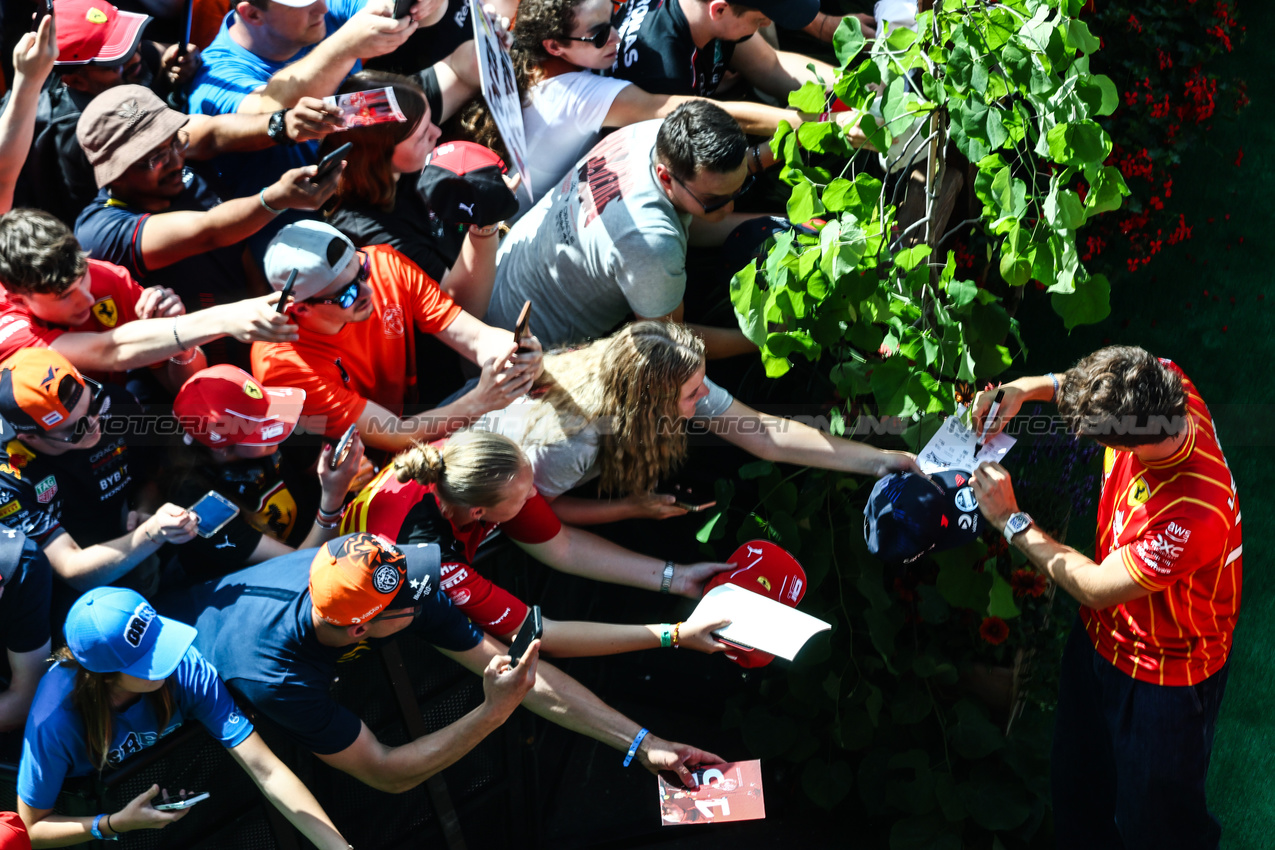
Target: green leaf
(848,40)
(810,98)
(974,736)
(1106,191)
(909,258)
(1078,143)
(706,531)
(933,608)
(749,301)
(756,469)
(821,137)
(960,67)
(793,342)
(963,587)
(1089,303)
(1110,95)
(1063,208)
(804,203)
(1079,37)
(827,783)
(1001,599)
(1016,269)
(835,194)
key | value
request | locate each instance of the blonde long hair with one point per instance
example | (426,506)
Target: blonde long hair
(471,470)
(628,386)
(91,697)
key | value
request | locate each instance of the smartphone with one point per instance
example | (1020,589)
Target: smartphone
(685,502)
(214,511)
(520,327)
(178,802)
(287,290)
(43,8)
(329,163)
(342,450)
(402,7)
(690,508)
(532,628)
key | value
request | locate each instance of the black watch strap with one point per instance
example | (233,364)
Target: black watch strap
(277,129)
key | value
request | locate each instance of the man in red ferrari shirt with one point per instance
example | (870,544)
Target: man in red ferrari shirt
(95,314)
(1145,669)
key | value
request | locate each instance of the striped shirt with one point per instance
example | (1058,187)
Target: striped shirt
(1176,525)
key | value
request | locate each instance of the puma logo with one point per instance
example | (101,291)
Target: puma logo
(468,208)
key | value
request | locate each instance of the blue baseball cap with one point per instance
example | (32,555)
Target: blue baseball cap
(908,515)
(114,630)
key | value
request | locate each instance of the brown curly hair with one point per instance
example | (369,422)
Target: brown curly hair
(368,179)
(628,385)
(537,20)
(1123,397)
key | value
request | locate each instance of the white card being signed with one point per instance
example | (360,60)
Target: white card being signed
(757,621)
(952,447)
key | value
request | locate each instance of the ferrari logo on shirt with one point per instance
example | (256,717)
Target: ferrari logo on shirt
(105,313)
(251,390)
(1139,492)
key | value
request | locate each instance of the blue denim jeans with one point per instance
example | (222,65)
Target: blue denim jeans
(1130,758)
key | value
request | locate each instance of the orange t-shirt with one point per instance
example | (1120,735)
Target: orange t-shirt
(372,360)
(1176,525)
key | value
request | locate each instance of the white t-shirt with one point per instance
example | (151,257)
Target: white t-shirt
(562,120)
(565,465)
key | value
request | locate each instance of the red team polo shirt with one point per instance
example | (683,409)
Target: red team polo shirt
(408,513)
(115,295)
(1176,525)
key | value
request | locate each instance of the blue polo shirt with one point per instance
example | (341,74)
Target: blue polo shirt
(255,625)
(54,744)
(229,73)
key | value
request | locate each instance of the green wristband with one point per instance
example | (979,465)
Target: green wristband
(666,635)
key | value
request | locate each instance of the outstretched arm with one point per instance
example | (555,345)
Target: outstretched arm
(33,59)
(287,793)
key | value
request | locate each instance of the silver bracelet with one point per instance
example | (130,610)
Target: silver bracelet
(191,354)
(667,583)
(261,196)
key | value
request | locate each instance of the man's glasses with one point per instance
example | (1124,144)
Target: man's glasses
(715,205)
(348,294)
(84,425)
(599,38)
(176,146)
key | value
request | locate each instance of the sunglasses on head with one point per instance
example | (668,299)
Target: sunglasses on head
(599,39)
(348,294)
(83,425)
(413,613)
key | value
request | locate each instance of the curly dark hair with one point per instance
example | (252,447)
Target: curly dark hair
(1123,397)
(38,253)
(537,20)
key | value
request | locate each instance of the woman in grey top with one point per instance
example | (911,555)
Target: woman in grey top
(617,409)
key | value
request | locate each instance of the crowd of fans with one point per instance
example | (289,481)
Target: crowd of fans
(190,306)
(187,299)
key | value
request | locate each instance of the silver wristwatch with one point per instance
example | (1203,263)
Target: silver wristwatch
(667,583)
(1017,522)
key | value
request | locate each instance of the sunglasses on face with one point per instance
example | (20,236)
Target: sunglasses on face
(599,39)
(716,205)
(348,294)
(84,425)
(176,146)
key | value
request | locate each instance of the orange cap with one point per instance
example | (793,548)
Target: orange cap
(355,578)
(38,390)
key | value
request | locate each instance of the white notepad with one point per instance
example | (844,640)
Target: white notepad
(758,621)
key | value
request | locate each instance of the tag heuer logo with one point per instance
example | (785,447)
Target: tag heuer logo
(46,490)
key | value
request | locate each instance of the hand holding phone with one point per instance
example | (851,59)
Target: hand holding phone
(520,327)
(343,445)
(177,802)
(533,628)
(402,7)
(330,162)
(286,291)
(213,511)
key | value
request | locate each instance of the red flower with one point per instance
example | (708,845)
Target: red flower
(994,630)
(1028,583)
(1239,157)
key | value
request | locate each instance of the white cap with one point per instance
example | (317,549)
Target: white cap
(319,252)
(296,4)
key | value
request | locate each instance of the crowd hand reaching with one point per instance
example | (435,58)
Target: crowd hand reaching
(180,69)
(1010,404)
(889,461)
(373,32)
(171,524)
(311,119)
(530,358)
(140,813)
(295,190)
(36,52)
(657,754)
(501,382)
(503,25)
(503,686)
(698,634)
(426,13)
(256,320)
(158,302)
(689,579)
(335,483)
(654,505)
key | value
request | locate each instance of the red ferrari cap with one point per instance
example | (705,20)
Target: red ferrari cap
(224,406)
(764,568)
(95,32)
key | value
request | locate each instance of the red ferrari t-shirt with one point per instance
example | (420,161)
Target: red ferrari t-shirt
(1176,525)
(409,513)
(372,360)
(115,295)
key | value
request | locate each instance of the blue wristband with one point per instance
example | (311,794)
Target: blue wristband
(637,741)
(97,831)
(1054,378)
